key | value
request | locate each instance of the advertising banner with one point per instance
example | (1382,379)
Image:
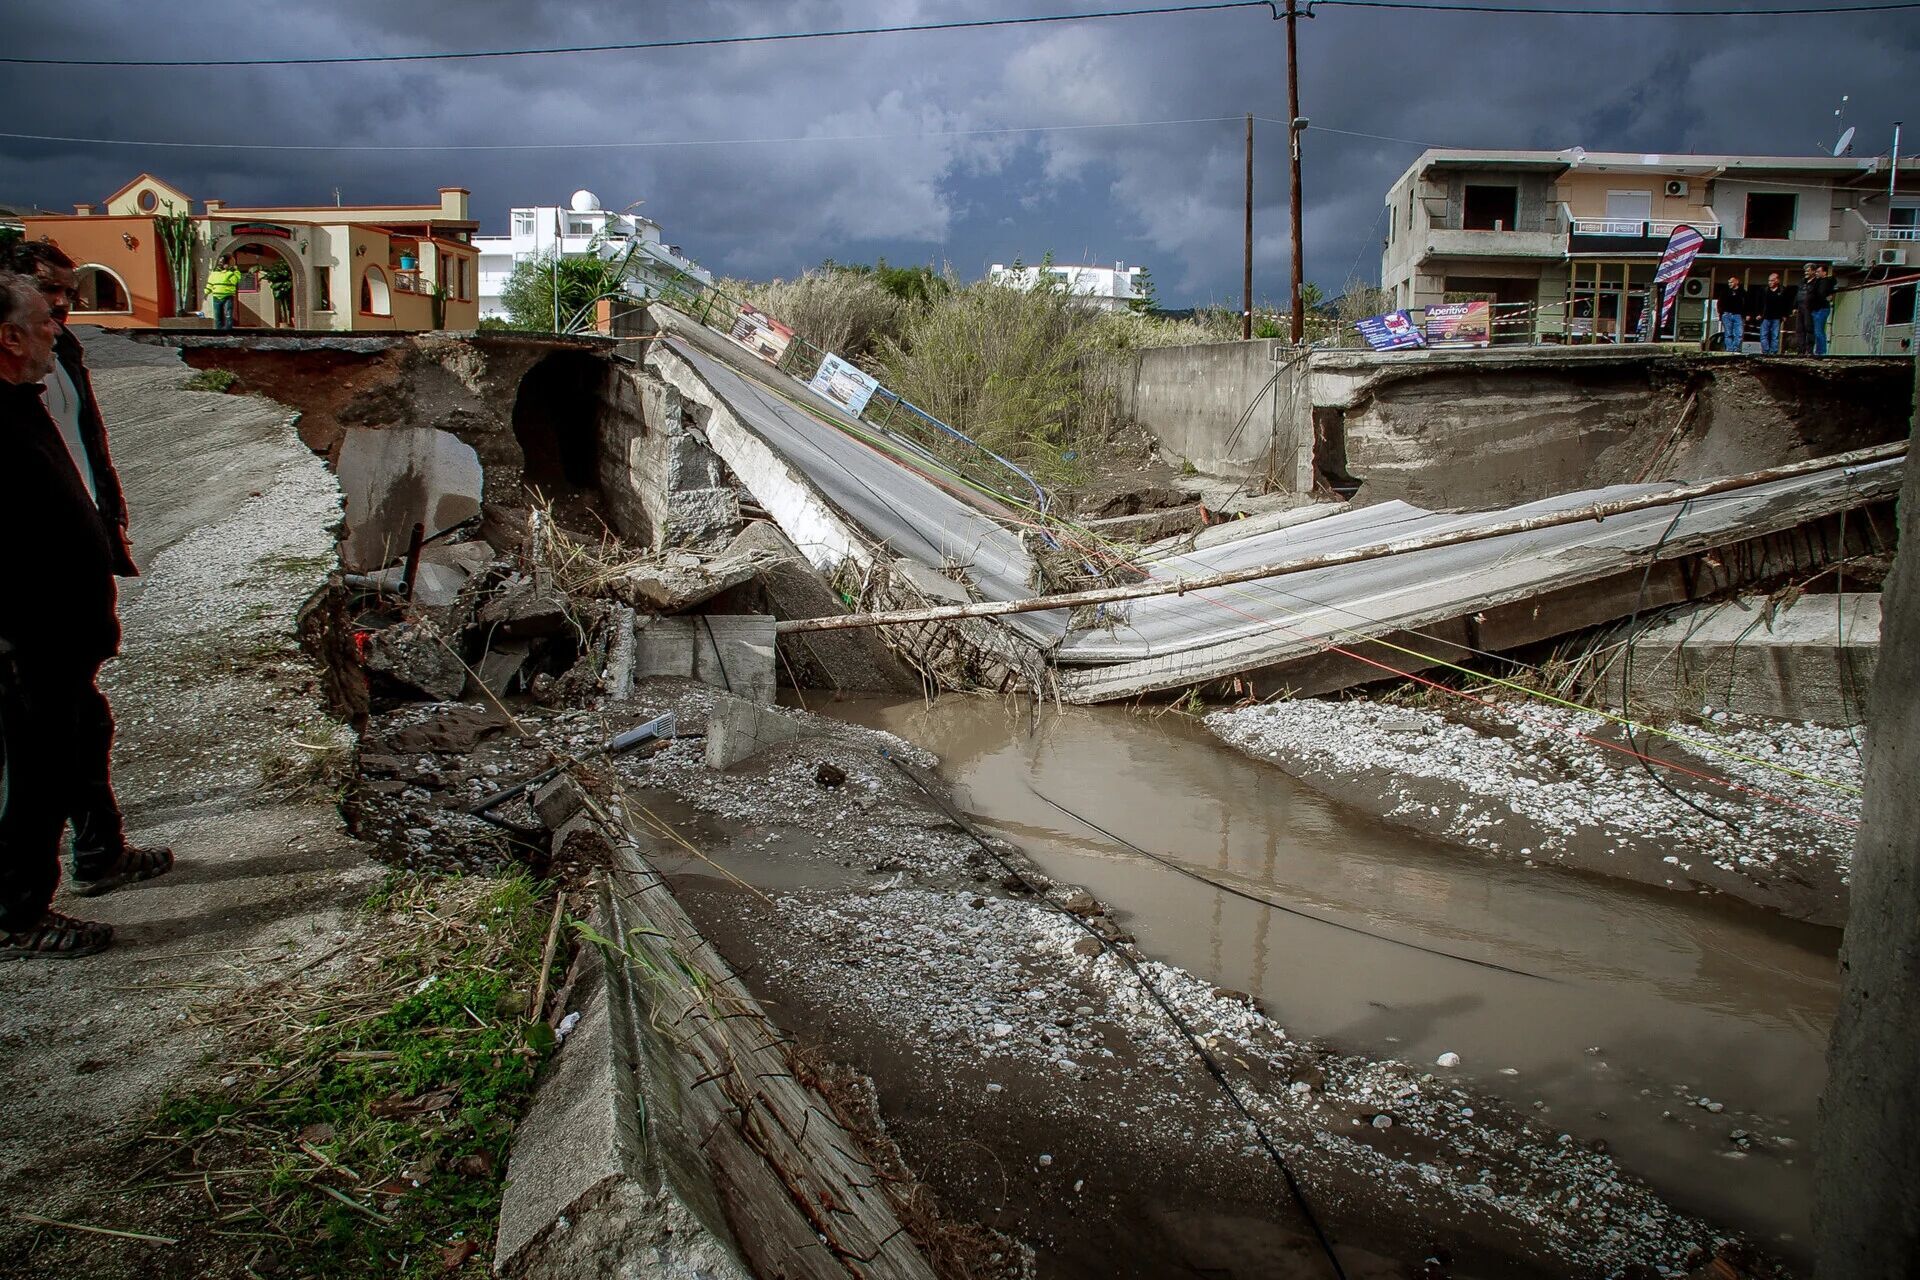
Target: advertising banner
(1391,332)
(761,334)
(1460,324)
(843,384)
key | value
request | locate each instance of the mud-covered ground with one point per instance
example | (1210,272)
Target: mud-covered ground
(1758,810)
(1029,1073)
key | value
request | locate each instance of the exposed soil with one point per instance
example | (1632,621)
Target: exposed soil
(1028,1076)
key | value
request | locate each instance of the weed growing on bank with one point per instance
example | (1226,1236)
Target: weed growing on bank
(365,1125)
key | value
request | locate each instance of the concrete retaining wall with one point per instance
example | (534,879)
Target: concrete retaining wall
(1481,429)
(1221,408)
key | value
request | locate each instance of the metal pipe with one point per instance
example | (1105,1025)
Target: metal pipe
(1596,512)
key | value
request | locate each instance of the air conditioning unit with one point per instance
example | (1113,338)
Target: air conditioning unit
(1695,287)
(1892,258)
(1676,188)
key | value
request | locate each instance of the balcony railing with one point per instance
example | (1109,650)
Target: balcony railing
(1643,228)
(1907,234)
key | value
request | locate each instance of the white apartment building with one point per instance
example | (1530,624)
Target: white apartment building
(1109,288)
(584,227)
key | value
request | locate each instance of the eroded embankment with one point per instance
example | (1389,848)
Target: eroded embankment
(1024,1071)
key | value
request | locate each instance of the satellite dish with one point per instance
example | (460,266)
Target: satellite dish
(584,201)
(1845,145)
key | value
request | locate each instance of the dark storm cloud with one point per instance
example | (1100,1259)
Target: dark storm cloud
(1166,195)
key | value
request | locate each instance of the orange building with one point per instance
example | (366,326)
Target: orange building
(343,268)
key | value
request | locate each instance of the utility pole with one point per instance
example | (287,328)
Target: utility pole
(1246,311)
(1295,123)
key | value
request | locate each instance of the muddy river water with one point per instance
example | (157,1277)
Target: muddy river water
(1629,1009)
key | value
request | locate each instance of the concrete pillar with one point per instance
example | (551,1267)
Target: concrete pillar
(1867,1196)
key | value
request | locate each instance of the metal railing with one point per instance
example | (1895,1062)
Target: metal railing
(1886,231)
(905,424)
(1643,228)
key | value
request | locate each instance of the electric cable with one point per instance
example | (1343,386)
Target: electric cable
(1175,865)
(690,42)
(1796,11)
(1213,1067)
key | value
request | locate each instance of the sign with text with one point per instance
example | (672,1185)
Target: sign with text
(1460,324)
(846,386)
(1393,331)
(761,334)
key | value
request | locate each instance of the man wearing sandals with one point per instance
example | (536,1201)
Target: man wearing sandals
(102,858)
(57,625)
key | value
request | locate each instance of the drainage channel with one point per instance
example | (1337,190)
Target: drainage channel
(1630,1012)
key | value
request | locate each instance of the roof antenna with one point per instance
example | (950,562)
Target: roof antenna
(1844,147)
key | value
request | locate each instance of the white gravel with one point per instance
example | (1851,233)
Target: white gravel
(1469,783)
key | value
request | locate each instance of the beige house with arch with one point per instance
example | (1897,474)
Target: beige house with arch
(328,268)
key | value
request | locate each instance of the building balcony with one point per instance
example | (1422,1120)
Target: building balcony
(1753,248)
(1632,236)
(1449,243)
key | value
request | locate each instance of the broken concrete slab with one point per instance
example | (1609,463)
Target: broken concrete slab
(1810,660)
(414,655)
(738,729)
(469,558)
(435,586)
(581,1198)
(937,587)
(849,661)
(528,608)
(620,650)
(396,477)
(680,580)
(735,652)
(501,663)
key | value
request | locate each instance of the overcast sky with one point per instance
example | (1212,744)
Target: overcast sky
(919,187)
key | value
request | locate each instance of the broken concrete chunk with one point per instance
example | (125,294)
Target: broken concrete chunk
(396,477)
(936,587)
(679,581)
(734,652)
(738,729)
(525,608)
(501,663)
(469,558)
(855,661)
(620,649)
(454,729)
(435,585)
(413,655)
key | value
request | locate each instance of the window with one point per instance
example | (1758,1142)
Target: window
(1907,216)
(1900,304)
(97,289)
(322,289)
(1770,215)
(148,200)
(374,298)
(1489,208)
(523,222)
(579,226)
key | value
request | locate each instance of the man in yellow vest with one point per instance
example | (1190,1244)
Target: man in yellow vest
(223,283)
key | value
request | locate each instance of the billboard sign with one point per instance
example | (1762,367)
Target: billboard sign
(846,386)
(1391,332)
(1460,324)
(761,334)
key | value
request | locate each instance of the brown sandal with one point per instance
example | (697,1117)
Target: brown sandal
(136,862)
(57,937)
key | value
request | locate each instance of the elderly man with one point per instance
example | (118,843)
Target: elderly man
(102,858)
(57,626)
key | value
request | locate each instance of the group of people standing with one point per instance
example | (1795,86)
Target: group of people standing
(63,513)
(1764,310)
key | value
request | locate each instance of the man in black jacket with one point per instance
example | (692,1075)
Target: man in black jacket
(57,625)
(1776,304)
(1732,301)
(102,858)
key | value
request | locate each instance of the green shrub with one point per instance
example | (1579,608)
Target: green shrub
(212,380)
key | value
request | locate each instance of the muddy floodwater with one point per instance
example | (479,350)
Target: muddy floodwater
(1630,1007)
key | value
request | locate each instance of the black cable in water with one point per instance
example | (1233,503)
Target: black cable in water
(1180,867)
(1626,680)
(1193,1041)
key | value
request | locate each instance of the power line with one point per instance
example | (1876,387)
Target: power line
(692,42)
(627,144)
(1795,12)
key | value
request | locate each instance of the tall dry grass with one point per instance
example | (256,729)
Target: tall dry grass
(836,311)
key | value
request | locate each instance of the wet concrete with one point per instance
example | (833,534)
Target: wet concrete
(1641,1004)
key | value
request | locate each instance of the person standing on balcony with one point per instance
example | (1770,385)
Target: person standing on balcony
(223,286)
(1776,304)
(1732,301)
